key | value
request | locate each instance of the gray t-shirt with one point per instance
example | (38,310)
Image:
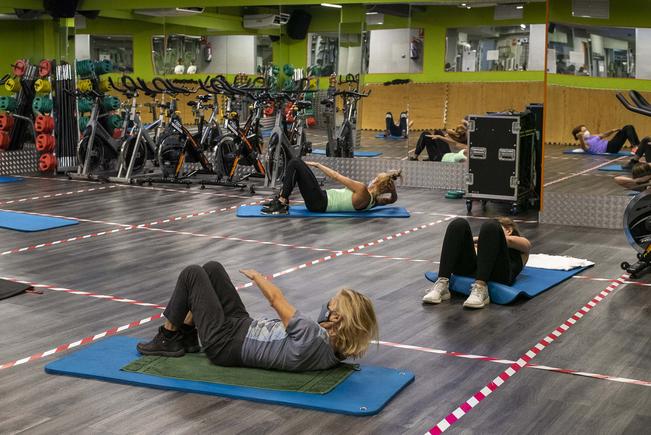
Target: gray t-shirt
(302,346)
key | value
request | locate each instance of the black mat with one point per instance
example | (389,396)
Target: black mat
(10,288)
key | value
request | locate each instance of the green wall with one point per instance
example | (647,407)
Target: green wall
(623,13)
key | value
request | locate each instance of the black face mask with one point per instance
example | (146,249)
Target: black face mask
(324,314)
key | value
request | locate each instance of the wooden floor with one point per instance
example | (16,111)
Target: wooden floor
(142,264)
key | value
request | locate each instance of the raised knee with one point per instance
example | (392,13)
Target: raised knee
(458,224)
(214,265)
(491,225)
(192,270)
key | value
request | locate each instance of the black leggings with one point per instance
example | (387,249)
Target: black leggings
(644,149)
(396,130)
(627,132)
(493,261)
(297,172)
(217,310)
(436,148)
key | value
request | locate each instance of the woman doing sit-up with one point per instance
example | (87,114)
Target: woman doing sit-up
(602,142)
(498,254)
(354,196)
(205,306)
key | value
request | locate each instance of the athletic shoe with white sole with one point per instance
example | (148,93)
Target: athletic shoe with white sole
(478,296)
(439,292)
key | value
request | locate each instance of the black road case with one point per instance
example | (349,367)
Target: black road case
(501,159)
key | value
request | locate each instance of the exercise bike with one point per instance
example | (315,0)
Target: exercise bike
(637,215)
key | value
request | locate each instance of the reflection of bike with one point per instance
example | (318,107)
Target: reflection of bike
(286,143)
(344,137)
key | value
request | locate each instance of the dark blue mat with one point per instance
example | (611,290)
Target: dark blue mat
(365,392)
(10,179)
(28,222)
(583,153)
(299,211)
(613,168)
(531,282)
(392,137)
(321,152)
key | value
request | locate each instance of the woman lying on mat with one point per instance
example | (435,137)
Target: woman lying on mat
(599,142)
(442,142)
(639,179)
(205,306)
(498,254)
(354,196)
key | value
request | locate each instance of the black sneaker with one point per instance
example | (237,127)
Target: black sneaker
(165,343)
(190,339)
(630,164)
(270,202)
(276,207)
(413,158)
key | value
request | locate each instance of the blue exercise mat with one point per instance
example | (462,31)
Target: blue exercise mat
(12,220)
(299,211)
(583,153)
(364,392)
(531,282)
(322,152)
(613,168)
(10,179)
(392,137)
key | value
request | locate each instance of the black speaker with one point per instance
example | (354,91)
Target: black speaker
(298,24)
(61,8)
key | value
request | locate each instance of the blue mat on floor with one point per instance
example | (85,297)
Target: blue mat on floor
(28,222)
(613,168)
(392,137)
(299,211)
(10,179)
(581,152)
(364,392)
(322,152)
(531,282)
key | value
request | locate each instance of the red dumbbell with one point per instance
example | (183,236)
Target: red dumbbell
(44,68)
(19,67)
(47,163)
(44,124)
(45,143)
(6,122)
(5,140)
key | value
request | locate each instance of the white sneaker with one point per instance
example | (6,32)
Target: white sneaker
(478,296)
(440,291)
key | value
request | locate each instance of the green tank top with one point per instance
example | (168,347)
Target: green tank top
(342,200)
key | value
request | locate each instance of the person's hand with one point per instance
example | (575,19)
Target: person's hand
(314,164)
(252,274)
(433,136)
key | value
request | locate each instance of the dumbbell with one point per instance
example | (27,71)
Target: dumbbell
(42,86)
(83,123)
(103,67)
(7,104)
(85,68)
(19,67)
(12,85)
(85,85)
(44,124)
(47,163)
(45,143)
(5,140)
(84,105)
(44,68)
(6,122)
(42,105)
(110,103)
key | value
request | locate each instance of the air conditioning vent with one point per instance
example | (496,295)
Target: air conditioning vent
(264,21)
(171,12)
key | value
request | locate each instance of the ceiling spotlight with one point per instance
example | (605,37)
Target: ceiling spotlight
(519,7)
(523,26)
(372,13)
(330,5)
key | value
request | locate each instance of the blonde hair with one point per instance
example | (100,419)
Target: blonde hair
(357,325)
(385,181)
(508,223)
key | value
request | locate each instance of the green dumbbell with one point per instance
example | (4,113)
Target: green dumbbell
(7,104)
(110,103)
(42,104)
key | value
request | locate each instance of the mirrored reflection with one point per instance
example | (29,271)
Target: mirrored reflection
(322,52)
(487,48)
(596,51)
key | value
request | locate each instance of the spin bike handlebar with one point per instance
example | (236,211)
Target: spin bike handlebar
(350,78)
(622,99)
(639,100)
(354,94)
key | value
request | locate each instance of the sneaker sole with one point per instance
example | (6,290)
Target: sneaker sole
(476,306)
(434,302)
(178,353)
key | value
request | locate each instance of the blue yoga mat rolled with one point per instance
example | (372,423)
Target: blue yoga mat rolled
(531,282)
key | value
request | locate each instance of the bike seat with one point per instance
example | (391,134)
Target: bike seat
(303,104)
(204,97)
(192,103)
(164,105)
(327,102)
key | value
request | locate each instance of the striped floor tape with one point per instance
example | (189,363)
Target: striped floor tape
(576,174)
(55,195)
(509,362)
(445,423)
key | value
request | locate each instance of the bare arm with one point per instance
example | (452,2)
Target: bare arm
(449,141)
(518,243)
(608,133)
(631,183)
(353,185)
(383,200)
(584,146)
(273,294)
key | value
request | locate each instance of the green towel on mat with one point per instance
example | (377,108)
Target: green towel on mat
(196,367)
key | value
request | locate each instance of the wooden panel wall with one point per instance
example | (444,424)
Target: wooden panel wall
(427,101)
(596,108)
(477,98)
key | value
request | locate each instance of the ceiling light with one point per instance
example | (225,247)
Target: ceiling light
(523,26)
(372,13)
(519,7)
(330,5)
